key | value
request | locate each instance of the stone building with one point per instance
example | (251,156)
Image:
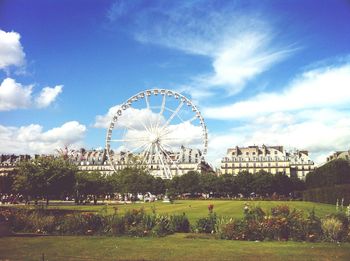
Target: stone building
(96,160)
(272,159)
(8,162)
(339,155)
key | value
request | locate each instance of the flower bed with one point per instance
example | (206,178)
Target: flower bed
(280,223)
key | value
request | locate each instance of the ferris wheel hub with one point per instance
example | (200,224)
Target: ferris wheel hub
(154,138)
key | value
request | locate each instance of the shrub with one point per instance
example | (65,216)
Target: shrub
(313,228)
(254,213)
(40,223)
(220,224)
(282,210)
(134,217)
(328,195)
(233,230)
(332,229)
(340,216)
(81,224)
(162,227)
(252,227)
(180,223)
(206,225)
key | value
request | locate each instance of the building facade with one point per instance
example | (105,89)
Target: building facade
(8,162)
(272,159)
(339,155)
(96,160)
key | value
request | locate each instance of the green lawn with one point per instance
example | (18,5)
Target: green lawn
(195,209)
(174,247)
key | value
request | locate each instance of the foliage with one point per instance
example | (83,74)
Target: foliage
(332,229)
(162,226)
(134,180)
(45,177)
(280,223)
(343,219)
(284,224)
(180,223)
(332,173)
(328,194)
(6,182)
(90,183)
(207,224)
(313,227)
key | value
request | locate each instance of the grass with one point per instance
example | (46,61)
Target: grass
(196,209)
(174,247)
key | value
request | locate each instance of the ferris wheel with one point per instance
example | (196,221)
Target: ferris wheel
(153,128)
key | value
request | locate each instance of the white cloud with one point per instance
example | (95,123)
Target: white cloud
(326,87)
(237,61)
(240,45)
(13,95)
(311,113)
(11,50)
(321,132)
(32,139)
(242,60)
(48,95)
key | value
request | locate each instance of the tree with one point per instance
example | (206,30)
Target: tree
(189,183)
(135,180)
(6,182)
(89,183)
(282,184)
(226,185)
(244,182)
(45,177)
(112,183)
(263,183)
(158,186)
(208,183)
(332,173)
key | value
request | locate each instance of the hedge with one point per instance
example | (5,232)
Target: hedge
(328,195)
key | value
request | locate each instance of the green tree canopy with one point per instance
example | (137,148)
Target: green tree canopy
(45,177)
(332,173)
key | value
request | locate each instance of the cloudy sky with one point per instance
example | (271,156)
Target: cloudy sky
(260,72)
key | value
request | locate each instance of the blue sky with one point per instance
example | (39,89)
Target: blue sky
(261,72)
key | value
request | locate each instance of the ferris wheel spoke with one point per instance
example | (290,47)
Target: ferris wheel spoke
(166,169)
(139,147)
(147,101)
(192,119)
(145,153)
(129,140)
(150,154)
(129,127)
(173,115)
(160,114)
(167,155)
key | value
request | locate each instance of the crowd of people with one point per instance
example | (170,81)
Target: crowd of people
(11,198)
